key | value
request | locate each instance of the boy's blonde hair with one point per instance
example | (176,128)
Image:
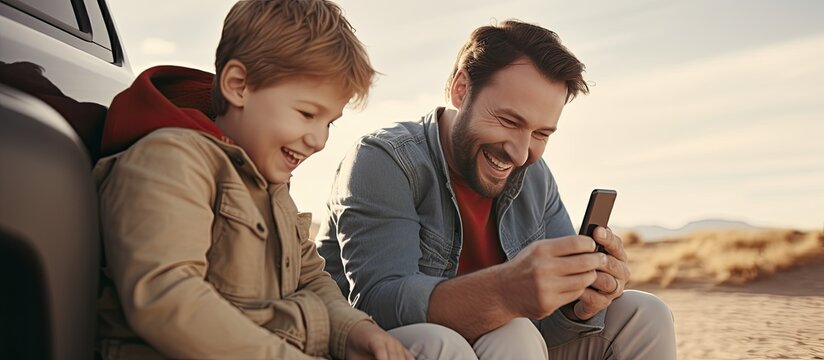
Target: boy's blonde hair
(276,39)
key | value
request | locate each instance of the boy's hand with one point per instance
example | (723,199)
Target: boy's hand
(368,341)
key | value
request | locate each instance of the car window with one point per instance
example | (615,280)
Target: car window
(55,12)
(81,24)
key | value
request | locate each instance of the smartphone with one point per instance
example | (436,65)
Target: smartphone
(597,214)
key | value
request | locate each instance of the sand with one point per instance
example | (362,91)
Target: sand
(778,317)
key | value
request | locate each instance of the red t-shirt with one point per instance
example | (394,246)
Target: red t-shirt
(481,246)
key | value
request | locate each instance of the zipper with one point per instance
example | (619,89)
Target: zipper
(451,192)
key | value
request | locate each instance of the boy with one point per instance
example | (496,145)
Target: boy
(206,251)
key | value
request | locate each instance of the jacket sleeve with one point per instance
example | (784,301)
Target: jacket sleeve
(342,316)
(156,219)
(378,230)
(558,224)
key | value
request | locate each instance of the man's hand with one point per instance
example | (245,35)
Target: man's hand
(368,341)
(611,279)
(548,274)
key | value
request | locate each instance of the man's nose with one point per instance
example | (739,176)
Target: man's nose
(517,148)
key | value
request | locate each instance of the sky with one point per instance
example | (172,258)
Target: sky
(698,109)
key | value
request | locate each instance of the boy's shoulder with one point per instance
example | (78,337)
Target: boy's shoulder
(166,147)
(173,137)
(175,133)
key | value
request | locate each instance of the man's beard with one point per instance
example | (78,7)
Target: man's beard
(466,157)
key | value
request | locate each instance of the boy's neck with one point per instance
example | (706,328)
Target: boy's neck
(224,123)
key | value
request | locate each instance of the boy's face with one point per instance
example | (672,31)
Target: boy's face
(281,125)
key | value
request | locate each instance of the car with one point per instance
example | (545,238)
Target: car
(61,64)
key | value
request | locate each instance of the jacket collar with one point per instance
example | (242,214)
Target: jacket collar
(240,159)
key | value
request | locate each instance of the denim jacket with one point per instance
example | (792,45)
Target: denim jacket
(393,231)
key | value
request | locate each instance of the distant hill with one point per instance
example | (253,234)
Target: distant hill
(658,233)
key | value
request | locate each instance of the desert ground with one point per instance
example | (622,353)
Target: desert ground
(739,295)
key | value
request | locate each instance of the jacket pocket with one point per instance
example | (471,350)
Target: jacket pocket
(537,234)
(302,319)
(238,253)
(434,253)
(304,223)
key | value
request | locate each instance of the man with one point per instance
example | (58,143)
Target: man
(451,232)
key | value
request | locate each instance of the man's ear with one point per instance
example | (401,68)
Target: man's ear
(459,90)
(233,83)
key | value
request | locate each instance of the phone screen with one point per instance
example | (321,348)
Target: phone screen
(598,211)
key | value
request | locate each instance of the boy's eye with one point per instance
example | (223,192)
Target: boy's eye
(307,115)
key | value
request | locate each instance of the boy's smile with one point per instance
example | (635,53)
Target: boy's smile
(280,125)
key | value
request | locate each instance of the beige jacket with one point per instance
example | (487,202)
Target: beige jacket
(208,260)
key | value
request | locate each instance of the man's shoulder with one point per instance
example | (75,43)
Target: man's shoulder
(401,148)
(396,135)
(538,177)
(539,171)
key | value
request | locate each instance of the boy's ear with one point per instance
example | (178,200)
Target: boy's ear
(233,83)
(459,90)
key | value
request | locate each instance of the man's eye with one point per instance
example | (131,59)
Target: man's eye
(506,122)
(540,135)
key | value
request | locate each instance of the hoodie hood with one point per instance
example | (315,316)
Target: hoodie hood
(160,97)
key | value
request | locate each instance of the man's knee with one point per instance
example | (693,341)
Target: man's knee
(640,326)
(644,305)
(518,339)
(433,341)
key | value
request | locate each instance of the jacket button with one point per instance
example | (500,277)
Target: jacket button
(449,265)
(238,160)
(260,227)
(287,262)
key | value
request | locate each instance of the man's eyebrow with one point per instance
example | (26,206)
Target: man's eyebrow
(514,114)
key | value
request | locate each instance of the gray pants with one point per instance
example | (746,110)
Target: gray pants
(638,326)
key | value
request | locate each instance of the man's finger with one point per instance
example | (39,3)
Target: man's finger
(570,296)
(590,303)
(574,282)
(575,264)
(605,282)
(568,245)
(611,242)
(616,268)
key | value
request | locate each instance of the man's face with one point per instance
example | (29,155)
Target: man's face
(505,126)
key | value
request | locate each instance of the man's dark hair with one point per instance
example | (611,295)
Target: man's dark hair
(491,48)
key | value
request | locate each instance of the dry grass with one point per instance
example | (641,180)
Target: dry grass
(721,256)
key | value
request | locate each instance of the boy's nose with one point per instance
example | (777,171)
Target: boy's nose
(316,139)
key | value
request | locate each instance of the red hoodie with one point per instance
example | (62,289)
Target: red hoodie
(160,97)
